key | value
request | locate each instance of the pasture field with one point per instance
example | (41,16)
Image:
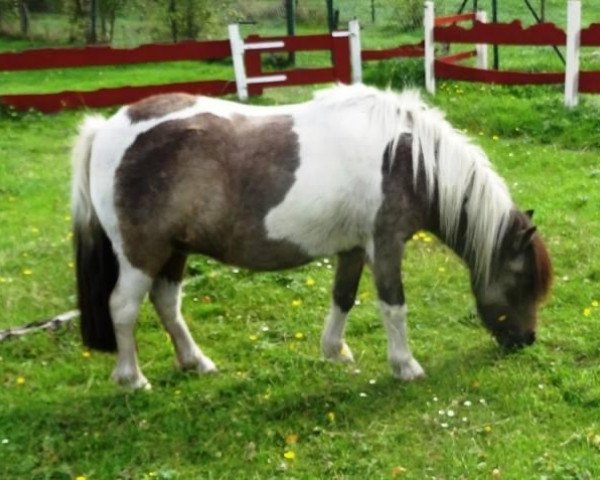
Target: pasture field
(276,410)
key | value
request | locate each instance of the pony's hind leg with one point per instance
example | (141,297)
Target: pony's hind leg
(347,276)
(393,310)
(166,298)
(125,300)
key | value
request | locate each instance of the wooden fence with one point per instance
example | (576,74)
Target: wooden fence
(344,49)
(543,34)
(248,75)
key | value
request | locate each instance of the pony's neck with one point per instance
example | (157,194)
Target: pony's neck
(459,246)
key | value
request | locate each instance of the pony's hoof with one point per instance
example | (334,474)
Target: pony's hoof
(200,365)
(135,381)
(408,371)
(337,353)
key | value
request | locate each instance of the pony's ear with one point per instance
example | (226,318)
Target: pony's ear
(523,239)
(529,213)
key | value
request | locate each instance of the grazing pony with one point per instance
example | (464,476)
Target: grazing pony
(355,172)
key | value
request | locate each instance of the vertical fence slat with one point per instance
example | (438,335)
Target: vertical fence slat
(573,42)
(428,25)
(355,51)
(481,48)
(237,55)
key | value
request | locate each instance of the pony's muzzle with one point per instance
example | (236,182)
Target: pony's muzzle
(515,340)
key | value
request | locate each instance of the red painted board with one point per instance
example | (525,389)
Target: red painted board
(590,37)
(589,82)
(104,55)
(450,19)
(415,50)
(502,34)
(340,54)
(470,74)
(457,57)
(108,97)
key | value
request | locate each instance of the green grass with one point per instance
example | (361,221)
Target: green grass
(532,414)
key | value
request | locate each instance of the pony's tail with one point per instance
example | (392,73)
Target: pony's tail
(95,262)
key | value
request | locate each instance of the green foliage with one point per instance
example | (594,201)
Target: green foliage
(479,414)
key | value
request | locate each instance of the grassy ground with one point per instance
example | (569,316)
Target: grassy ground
(276,410)
(531,415)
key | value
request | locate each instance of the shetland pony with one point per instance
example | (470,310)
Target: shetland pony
(354,173)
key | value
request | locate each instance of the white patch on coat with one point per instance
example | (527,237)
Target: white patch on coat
(403,364)
(334,200)
(332,339)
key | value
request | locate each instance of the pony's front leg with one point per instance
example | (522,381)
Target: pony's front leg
(386,268)
(347,276)
(125,300)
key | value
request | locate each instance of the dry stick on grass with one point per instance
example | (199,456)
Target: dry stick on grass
(46,324)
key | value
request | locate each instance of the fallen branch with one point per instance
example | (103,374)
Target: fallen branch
(47,324)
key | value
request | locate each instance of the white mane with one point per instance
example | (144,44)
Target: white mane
(460,170)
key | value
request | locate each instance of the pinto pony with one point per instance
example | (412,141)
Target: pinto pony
(354,173)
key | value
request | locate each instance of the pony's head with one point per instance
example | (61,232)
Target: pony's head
(520,280)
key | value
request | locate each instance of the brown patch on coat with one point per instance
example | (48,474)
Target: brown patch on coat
(204,184)
(159,105)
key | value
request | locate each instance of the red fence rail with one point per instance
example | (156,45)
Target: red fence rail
(544,34)
(47,58)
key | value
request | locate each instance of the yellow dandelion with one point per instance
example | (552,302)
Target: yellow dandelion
(415,236)
(495,137)
(27,271)
(595,303)
(299,335)
(496,473)
(364,295)
(587,312)
(291,439)
(296,303)
(487,429)
(442,269)
(397,471)
(427,239)
(331,417)
(310,282)
(20,380)
(3,280)
(253,338)
(71,265)
(35,230)
(86,354)
(80,477)
(289,455)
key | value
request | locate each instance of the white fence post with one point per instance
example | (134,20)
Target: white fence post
(573,42)
(428,24)
(237,55)
(481,48)
(355,50)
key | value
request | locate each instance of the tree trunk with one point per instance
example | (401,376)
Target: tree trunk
(173,12)
(24,18)
(93,38)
